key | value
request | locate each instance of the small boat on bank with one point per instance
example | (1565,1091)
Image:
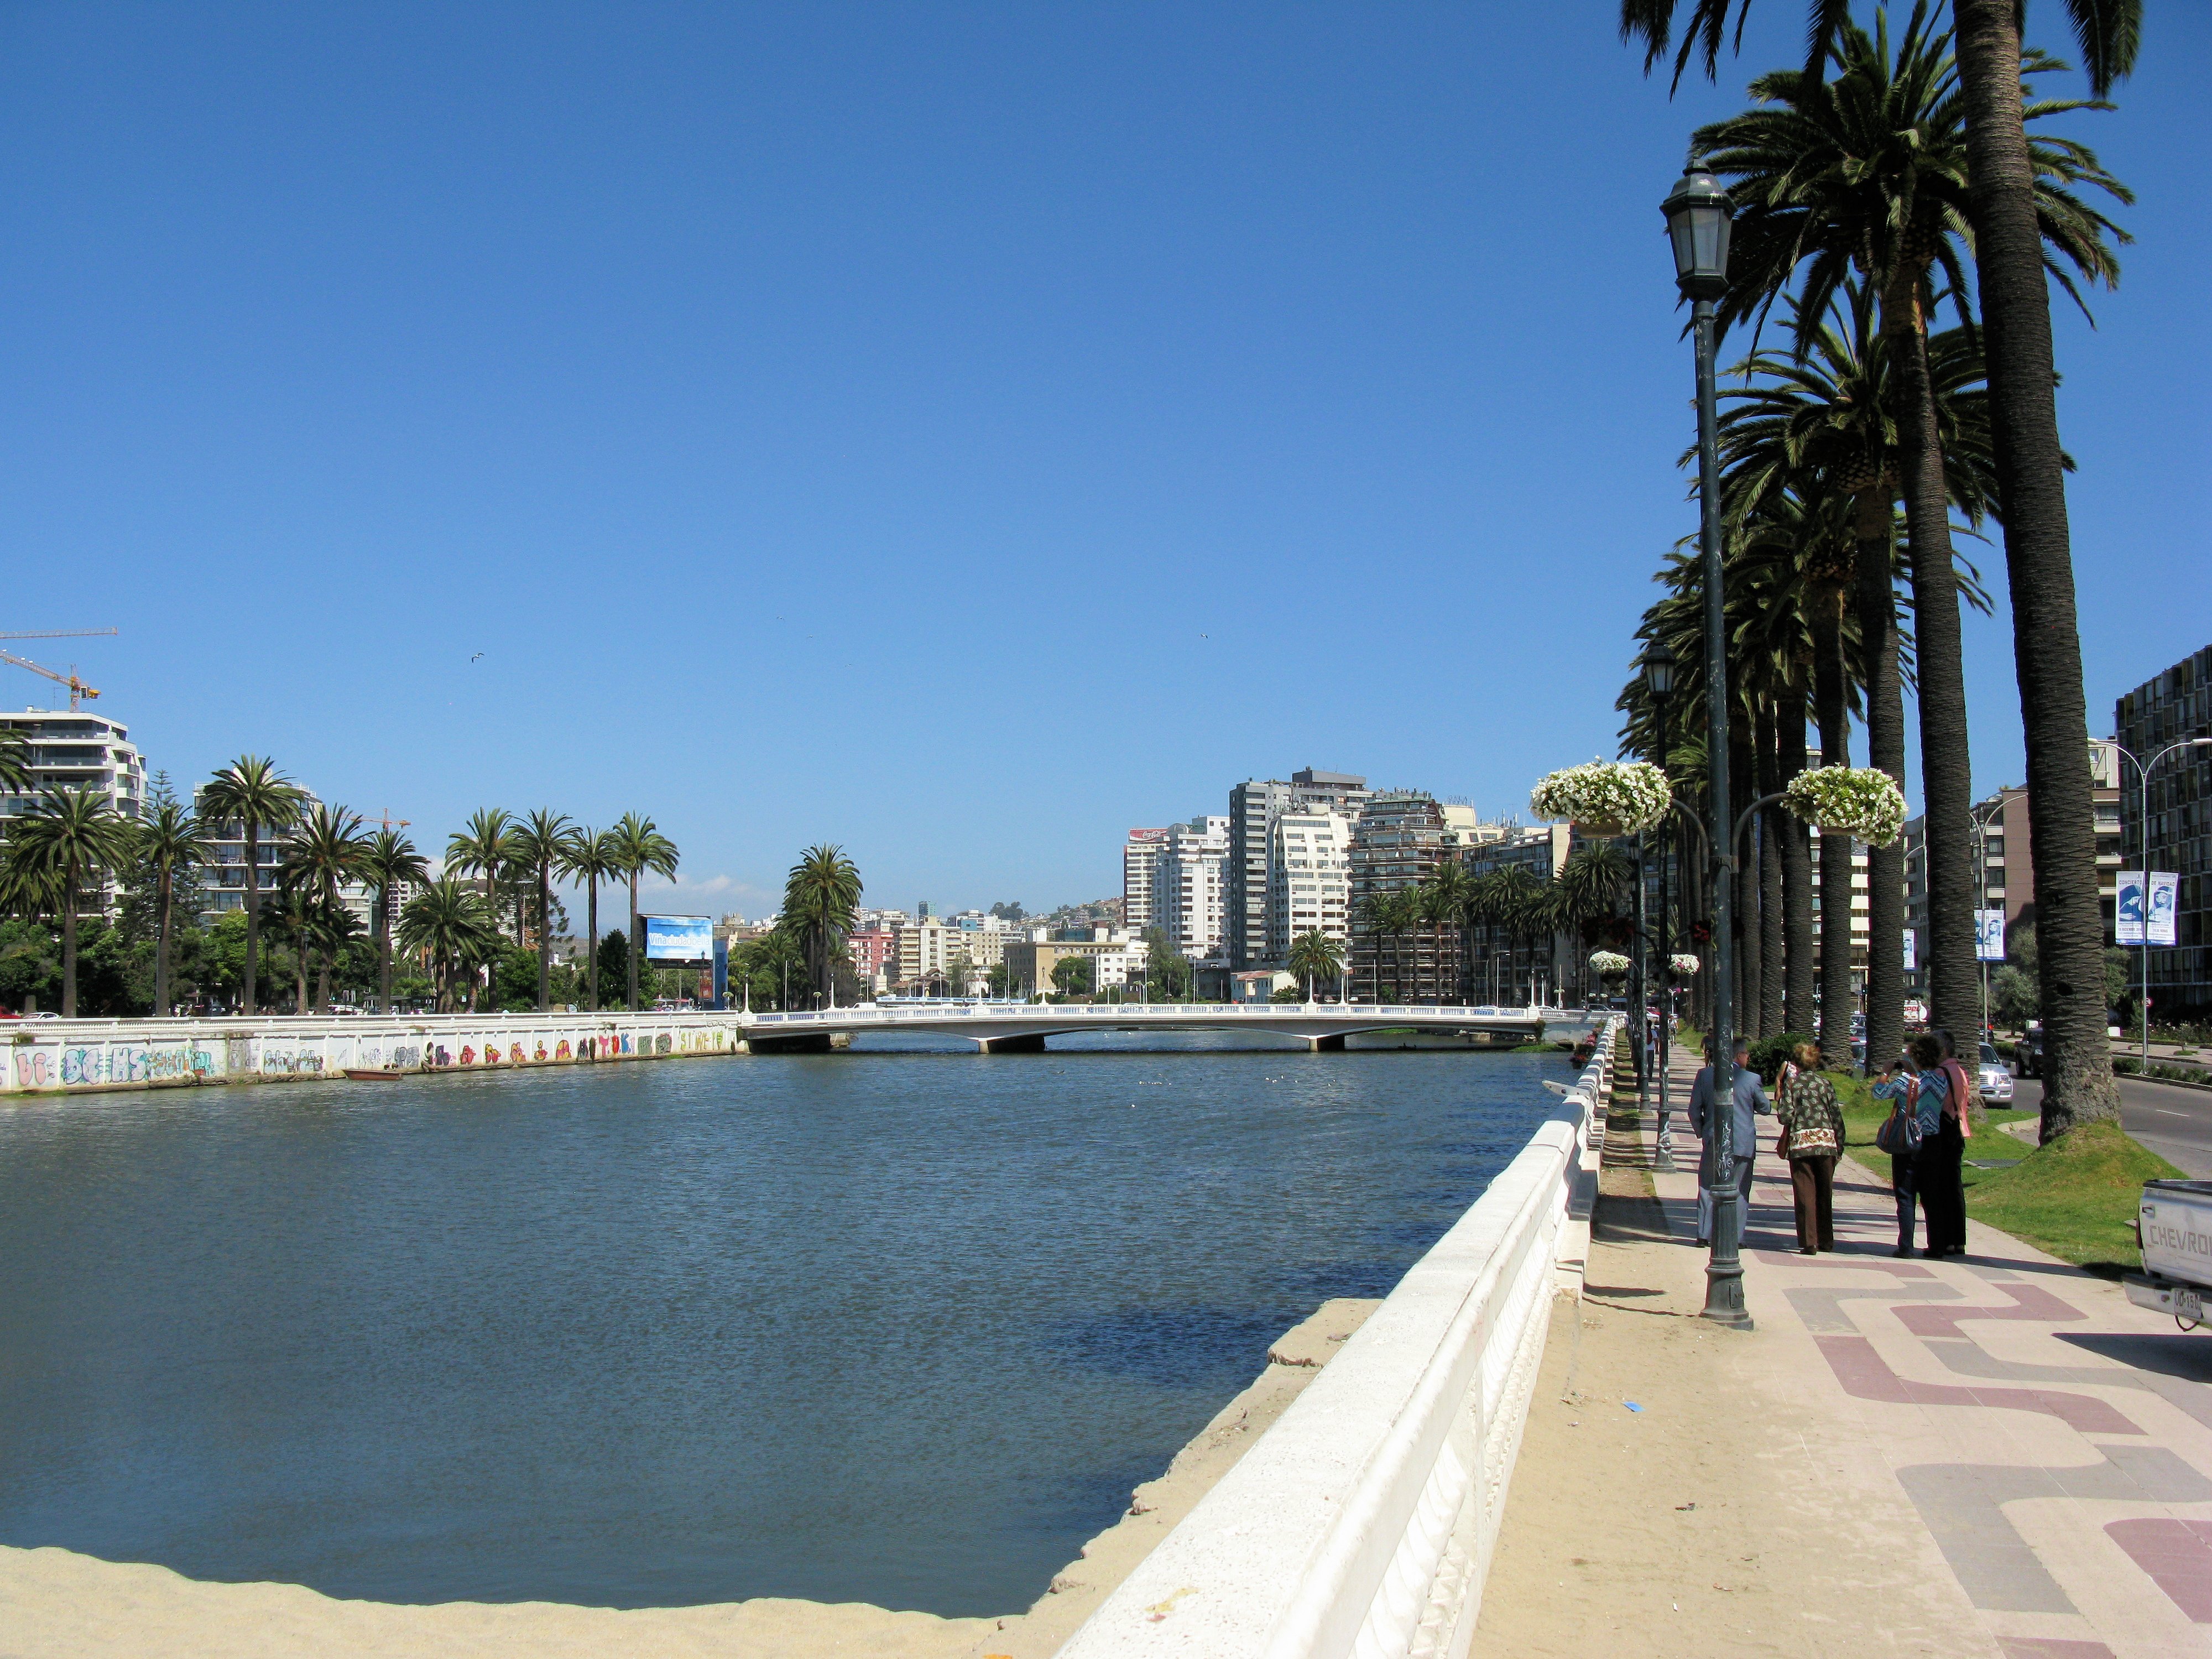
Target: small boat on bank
(374,1074)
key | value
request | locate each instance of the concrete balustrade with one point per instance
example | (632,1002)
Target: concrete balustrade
(1362,1523)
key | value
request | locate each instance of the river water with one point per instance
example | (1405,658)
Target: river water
(893,1327)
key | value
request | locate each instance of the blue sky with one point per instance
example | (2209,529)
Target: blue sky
(961,432)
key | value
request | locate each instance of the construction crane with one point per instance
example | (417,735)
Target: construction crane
(78,690)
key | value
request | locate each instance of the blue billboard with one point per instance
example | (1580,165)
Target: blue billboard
(680,941)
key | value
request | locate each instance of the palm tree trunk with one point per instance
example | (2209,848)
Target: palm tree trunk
(252,917)
(383,948)
(630,955)
(1796,870)
(69,950)
(1831,711)
(591,946)
(161,945)
(1874,600)
(1772,985)
(1946,768)
(323,980)
(2077,1072)
(1751,966)
(544,938)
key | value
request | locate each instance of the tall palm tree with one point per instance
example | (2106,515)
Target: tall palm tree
(172,842)
(820,895)
(68,839)
(1315,958)
(640,848)
(1869,171)
(2003,208)
(328,853)
(253,794)
(538,845)
(1590,890)
(481,850)
(389,861)
(589,856)
(453,924)
(1446,893)
(14,760)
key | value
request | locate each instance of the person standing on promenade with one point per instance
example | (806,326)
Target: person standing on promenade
(1743,1140)
(1812,1137)
(1902,1084)
(1935,1166)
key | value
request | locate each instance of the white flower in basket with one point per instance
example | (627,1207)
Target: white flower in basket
(1860,801)
(1685,964)
(1608,963)
(1606,798)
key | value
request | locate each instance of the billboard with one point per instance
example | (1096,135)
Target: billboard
(680,941)
(2130,906)
(1989,935)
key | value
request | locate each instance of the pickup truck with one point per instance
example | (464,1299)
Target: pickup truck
(2174,1227)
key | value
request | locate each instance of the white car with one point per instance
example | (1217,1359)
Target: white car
(1996,1078)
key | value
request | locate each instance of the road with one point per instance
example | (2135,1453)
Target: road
(2175,1123)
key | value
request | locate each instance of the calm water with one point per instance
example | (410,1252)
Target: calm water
(901,1328)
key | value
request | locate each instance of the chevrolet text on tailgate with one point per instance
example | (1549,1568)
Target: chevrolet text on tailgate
(2174,1227)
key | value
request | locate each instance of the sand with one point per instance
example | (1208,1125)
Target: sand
(56,1604)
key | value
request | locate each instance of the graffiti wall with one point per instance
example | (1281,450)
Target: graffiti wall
(112,1054)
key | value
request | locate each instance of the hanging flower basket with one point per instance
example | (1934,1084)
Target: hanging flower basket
(1606,798)
(1609,964)
(1860,801)
(1684,965)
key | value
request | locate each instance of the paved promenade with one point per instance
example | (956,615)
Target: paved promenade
(1998,1455)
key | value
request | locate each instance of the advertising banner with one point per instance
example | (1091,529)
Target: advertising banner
(680,941)
(2165,892)
(2128,907)
(1911,951)
(1989,935)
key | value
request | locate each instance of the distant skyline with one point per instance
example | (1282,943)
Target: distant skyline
(689,410)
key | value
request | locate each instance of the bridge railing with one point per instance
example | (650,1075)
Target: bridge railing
(1362,1523)
(1107,1013)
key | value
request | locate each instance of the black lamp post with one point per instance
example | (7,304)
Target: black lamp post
(1698,213)
(1659,681)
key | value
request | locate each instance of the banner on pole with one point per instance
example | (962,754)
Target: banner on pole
(2128,907)
(1911,951)
(2165,891)
(1989,935)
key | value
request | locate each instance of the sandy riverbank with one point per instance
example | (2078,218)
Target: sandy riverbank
(54,1604)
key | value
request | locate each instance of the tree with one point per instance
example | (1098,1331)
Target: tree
(1590,890)
(2010,266)
(452,922)
(67,839)
(1316,958)
(389,860)
(14,761)
(1444,897)
(820,895)
(171,842)
(328,853)
(1072,976)
(540,845)
(589,856)
(253,794)
(1169,975)
(640,848)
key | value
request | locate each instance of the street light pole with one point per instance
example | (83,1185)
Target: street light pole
(1698,215)
(2142,786)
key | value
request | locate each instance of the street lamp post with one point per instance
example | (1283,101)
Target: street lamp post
(2143,785)
(1659,681)
(1698,213)
(1981,835)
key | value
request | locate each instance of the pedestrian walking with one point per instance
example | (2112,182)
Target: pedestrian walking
(1901,1136)
(1750,1101)
(1936,1148)
(1812,1139)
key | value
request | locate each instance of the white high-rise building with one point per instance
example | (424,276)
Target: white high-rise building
(1189,895)
(1308,866)
(1141,858)
(82,752)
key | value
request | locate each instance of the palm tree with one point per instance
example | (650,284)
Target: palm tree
(253,794)
(68,839)
(1869,171)
(2003,208)
(14,760)
(453,924)
(1590,890)
(639,847)
(1447,892)
(328,853)
(1526,907)
(389,860)
(539,845)
(172,841)
(1315,958)
(589,856)
(820,895)
(481,850)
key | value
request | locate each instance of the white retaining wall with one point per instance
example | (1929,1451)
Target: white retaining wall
(1362,1523)
(82,1055)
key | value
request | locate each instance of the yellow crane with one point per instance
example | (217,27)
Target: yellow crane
(78,690)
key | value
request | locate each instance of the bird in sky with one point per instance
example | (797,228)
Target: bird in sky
(478,654)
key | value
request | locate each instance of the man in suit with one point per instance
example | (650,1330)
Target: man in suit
(1750,1101)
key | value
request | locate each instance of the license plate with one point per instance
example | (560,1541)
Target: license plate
(2188,1304)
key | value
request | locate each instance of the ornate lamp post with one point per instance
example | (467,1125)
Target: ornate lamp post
(1697,217)
(1659,681)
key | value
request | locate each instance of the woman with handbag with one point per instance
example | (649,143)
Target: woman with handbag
(1812,1137)
(1900,1137)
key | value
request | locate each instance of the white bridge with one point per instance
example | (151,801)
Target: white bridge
(998,1027)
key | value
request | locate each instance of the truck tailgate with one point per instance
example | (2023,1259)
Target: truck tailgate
(2177,1230)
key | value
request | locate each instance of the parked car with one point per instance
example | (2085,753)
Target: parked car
(1995,1079)
(2173,1229)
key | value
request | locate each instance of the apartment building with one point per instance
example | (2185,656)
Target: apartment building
(2169,708)
(1397,842)
(1254,806)
(86,753)
(1140,858)
(1117,959)
(1189,899)
(223,878)
(1308,881)
(1508,965)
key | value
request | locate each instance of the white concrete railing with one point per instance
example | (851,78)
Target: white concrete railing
(1107,1013)
(1362,1523)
